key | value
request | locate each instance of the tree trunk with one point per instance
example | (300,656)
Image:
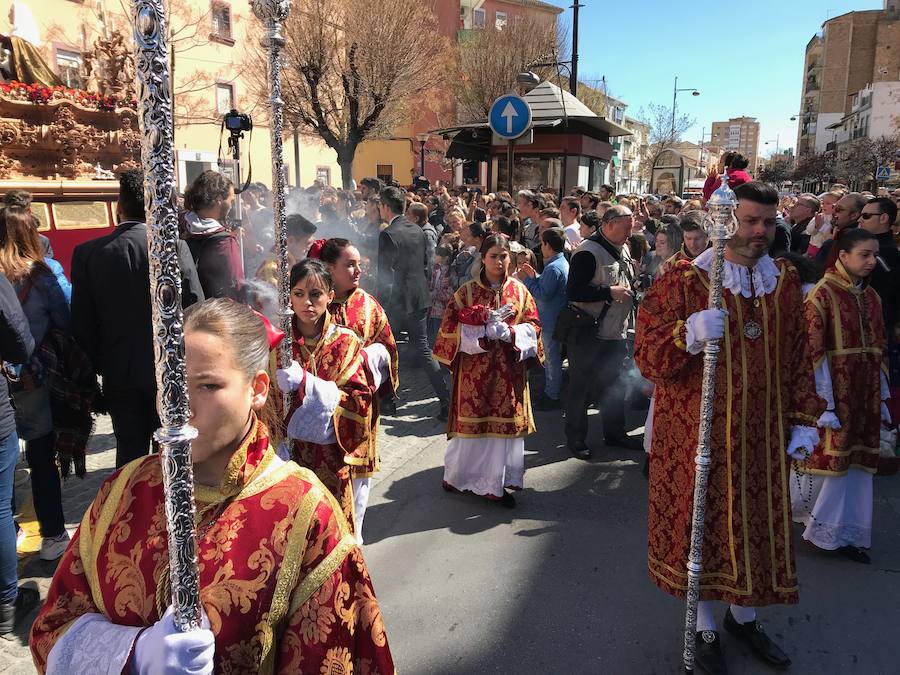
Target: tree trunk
(345,160)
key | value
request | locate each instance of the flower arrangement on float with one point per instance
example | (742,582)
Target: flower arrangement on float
(38,94)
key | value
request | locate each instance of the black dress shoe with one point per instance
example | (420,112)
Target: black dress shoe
(627,442)
(708,653)
(754,636)
(579,449)
(855,554)
(507,500)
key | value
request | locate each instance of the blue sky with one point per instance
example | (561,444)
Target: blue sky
(752,68)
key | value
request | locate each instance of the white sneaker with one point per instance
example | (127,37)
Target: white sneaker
(52,548)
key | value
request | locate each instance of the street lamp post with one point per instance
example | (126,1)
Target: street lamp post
(675,90)
(423,138)
(777,141)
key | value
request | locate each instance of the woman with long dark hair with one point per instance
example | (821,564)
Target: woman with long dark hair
(329,421)
(489,338)
(359,311)
(44,293)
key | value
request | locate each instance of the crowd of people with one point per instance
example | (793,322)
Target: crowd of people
(607,292)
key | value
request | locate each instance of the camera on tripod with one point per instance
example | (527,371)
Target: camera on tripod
(237,123)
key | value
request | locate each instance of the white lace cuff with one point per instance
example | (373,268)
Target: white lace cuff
(379,362)
(468,339)
(314,420)
(885,387)
(92,645)
(823,384)
(525,340)
(803,437)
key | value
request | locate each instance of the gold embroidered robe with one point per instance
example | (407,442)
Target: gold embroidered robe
(846,327)
(490,391)
(282,580)
(336,357)
(763,388)
(364,315)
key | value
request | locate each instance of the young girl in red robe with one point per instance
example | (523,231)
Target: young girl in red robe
(283,585)
(329,420)
(490,409)
(831,492)
(357,310)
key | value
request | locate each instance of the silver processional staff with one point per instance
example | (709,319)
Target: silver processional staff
(720,224)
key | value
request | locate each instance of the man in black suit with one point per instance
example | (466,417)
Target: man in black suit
(403,285)
(111,317)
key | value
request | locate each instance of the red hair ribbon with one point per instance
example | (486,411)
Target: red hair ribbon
(274,335)
(316,249)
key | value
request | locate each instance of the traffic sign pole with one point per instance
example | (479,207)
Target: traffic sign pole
(510,153)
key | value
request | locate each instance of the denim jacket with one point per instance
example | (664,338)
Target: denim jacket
(549,291)
(47,304)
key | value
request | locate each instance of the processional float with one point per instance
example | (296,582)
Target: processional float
(157,152)
(720,224)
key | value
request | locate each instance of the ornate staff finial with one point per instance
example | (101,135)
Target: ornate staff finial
(721,225)
(175,435)
(274,13)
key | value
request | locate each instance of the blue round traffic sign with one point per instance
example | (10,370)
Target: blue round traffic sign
(510,116)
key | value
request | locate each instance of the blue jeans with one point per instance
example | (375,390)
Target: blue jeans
(9,452)
(552,366)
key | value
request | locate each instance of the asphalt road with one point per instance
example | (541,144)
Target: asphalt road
(559,584)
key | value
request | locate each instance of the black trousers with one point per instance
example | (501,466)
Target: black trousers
(596,366)
(46,487)
(416,325)
(134,419)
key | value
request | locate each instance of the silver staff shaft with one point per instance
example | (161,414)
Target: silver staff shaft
(274,13)
(720,224)
(174,437)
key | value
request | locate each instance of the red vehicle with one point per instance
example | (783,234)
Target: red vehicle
(70,212)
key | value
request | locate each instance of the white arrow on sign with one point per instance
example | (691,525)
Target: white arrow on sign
(509,112)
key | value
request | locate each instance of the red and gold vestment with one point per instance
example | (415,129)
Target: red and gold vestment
(490,391)
(336,357)
(282,580)
(364,315)
(763,387)
(845,326)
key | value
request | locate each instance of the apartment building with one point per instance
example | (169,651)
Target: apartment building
(851,52)
(738,134)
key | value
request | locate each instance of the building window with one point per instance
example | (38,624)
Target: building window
(323,175)
(500,20)
(68,64)
(478,18)
(221,20)
(224,98)
(385,172)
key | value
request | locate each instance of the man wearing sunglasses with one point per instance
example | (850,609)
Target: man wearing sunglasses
(877,217)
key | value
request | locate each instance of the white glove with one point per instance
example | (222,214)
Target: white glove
(803,442)
(290,378)
(498,330)
(828,420)
(162,649)
(885,414)
(707,324)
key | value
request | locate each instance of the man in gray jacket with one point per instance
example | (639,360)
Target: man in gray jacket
(601,285)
